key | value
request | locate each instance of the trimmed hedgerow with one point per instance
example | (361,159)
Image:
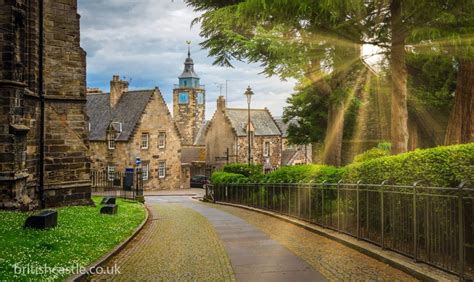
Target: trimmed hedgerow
(244,169)
(304,173)
(382,150)
(221,177)
(442,166)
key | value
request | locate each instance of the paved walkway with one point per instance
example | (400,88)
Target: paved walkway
(188,240)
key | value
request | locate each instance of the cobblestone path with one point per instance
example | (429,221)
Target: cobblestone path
(334,260)
(178,244)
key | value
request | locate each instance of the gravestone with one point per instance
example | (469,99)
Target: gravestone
(43,220)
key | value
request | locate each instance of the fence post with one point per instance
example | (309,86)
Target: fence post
(415,223)
(358,209)
(298,199)
(382,213)
(310,187)
(461,231)
(338,206)
(322,204)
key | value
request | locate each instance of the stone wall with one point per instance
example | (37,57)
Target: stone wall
(188,117)
(220,137)
(66,164)
(155,119)
(257,150)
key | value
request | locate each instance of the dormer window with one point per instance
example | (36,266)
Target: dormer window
(111,140)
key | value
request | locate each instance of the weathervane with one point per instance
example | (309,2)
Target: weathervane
(189,48)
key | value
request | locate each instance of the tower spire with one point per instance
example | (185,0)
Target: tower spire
(189,48)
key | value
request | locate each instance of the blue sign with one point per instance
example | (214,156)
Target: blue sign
(138,161)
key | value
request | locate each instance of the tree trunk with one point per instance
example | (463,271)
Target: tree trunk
(461,120)
(334,132)
(399,115)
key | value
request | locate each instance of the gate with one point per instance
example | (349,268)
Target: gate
(127,185)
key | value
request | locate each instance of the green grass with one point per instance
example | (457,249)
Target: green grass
(82,236)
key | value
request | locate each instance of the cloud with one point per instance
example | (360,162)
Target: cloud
(144,40)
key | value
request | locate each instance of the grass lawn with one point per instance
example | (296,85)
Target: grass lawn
(82,236)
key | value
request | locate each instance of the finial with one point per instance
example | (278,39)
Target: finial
(189,48)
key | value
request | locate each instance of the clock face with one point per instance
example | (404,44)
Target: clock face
(183,97)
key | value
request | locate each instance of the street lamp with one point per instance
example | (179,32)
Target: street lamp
(249,94)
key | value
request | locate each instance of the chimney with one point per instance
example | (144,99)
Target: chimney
(221,103)
(117,88)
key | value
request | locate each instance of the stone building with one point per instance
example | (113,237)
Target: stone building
(126,125)
(293,154)
(43,129)
(226,137)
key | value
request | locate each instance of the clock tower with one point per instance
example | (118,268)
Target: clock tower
(189,102)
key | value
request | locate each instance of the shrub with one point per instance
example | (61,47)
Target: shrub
(244,169)
(382,150)
(442,166)
(305,173)
(221,177)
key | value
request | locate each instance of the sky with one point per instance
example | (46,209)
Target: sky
(145,41)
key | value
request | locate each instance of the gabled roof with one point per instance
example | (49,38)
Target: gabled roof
(284,126)
(200,139)
(128,111)
(261,120)
(287,156)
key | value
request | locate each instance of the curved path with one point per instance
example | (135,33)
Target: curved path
(189,240)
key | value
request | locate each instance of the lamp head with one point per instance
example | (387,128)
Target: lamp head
(248,93)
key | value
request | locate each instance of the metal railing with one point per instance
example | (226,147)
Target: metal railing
(434,225)
(106,183)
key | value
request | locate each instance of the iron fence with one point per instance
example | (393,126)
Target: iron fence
(127,185)
(434,225)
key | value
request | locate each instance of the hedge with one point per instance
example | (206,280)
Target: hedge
(221,177)
(304,173)
(244,169)
(442,166)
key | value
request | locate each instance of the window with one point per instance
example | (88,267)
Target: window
(111,141)
(183,98)
(111,173)
(162,169)
(266,149)
(145,171)
(144,143)
(162,140)
(200,98)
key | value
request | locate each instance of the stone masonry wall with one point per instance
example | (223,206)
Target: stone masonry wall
(219,138)
(257,150)
(155,119)
(67,176)
(188,117)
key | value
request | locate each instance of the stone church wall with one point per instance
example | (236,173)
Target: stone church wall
(66,163)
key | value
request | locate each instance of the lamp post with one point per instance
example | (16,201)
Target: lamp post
(249,94)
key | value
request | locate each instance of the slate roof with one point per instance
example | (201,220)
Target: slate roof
(192,154)
(287,156)
(262,121)
(284,126)
(128,111)
(200,139)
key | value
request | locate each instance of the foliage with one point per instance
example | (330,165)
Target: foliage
(221,177)
(82,236)
(382,150)
(304,173)
(432,79)
(442,166)
(244,169)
